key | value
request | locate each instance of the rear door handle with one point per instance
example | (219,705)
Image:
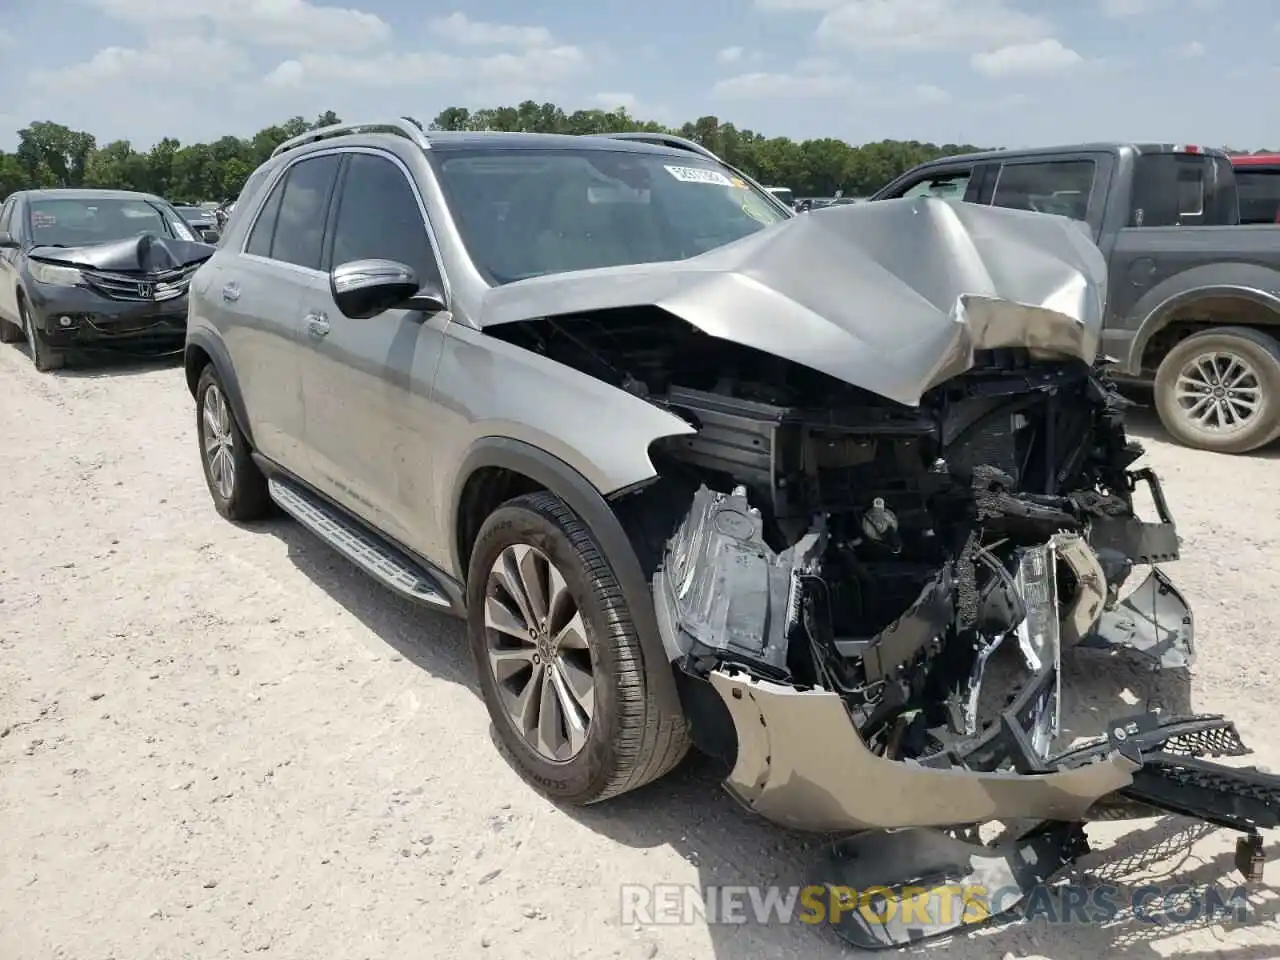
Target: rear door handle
(231,292)
(317,324)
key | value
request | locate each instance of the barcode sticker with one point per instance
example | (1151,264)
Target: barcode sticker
(700,175)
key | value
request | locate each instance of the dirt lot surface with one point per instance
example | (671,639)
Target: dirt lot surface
(223,741)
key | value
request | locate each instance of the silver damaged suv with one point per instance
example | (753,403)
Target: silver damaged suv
(829,496)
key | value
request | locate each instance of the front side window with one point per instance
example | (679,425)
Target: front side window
(6,214)
(527,213)
(944,186)
(67,222)
(379,218)
(299,214)
(1056,186)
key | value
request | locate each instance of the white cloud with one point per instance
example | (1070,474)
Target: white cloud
(783,86)
(532,70)
(1190,51)
(127,66)
(1043,56)
(293,24)
(457,28)
(730,55)
(969,25)
(930,95)
(617,101)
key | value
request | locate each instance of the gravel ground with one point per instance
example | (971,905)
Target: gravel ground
(220,741)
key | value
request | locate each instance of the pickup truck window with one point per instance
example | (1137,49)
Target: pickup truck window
(945,186)
(1056,186)
(1182,189)
(1259,190)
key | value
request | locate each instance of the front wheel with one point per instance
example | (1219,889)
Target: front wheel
(1219,390)
(44,357)
(560,662)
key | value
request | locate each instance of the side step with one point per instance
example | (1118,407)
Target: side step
(379,560)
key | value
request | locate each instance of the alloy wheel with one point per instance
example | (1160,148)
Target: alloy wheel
(539,654)
(218,442)
(1218,391)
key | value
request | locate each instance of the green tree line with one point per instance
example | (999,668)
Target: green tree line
(50,154)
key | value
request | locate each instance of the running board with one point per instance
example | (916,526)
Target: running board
(379,560)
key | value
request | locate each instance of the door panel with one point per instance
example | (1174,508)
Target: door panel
(8,267)
(367,383)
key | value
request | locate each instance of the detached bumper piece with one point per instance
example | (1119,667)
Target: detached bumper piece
(911,885)
(903,887)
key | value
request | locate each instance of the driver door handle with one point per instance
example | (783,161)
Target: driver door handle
(317,324)
(231,292)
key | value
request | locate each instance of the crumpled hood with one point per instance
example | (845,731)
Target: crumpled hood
(148,253)
(893,296)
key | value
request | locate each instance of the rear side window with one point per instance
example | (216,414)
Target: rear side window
(379,218)
(1055,186)
(1183,189)
(1259,190)
(264,228)
(299,237)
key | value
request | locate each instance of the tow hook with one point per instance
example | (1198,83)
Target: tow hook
(1250,857)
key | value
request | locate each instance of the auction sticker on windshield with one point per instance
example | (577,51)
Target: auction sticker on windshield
(700,175)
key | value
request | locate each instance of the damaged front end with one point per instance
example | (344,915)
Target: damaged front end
(915,578)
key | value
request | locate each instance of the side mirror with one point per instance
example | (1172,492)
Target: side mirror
(362,289)
(7,241)
(210,236)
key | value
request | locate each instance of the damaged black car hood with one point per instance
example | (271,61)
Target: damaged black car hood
(893,297)
(148,253)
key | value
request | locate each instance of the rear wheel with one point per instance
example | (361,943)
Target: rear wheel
(560,662)
(237,486)
(43,356)
(1219,390)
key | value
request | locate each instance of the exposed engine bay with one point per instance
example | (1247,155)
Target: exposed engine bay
(827,557)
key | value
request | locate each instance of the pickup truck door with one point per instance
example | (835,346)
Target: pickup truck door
(367,383)
(1073,184)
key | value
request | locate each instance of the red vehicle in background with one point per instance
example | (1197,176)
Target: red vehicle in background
(1258,182)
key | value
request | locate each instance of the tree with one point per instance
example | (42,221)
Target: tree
(52,155)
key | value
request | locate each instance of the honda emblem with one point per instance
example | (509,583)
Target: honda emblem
(147,290)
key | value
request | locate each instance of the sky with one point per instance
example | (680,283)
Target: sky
(988,72)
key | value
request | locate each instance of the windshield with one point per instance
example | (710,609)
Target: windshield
(80,222)
(528,213)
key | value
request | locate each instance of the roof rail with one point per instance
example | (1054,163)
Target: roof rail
(401,127)
(665,140)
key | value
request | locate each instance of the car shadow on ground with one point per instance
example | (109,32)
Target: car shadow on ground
(99,364)
(689,813)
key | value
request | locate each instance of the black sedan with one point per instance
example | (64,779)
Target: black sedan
(94,268)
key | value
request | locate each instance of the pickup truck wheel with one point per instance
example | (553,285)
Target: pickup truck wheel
(1219,390)
(560,663)
(44,357)
(237,486)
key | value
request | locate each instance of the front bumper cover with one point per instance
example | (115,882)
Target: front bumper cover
(94,321)
(802,764)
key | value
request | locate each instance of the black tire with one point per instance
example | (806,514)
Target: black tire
(630,740)
(44,357)
(10,332)
(1260,352)
(247,498)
